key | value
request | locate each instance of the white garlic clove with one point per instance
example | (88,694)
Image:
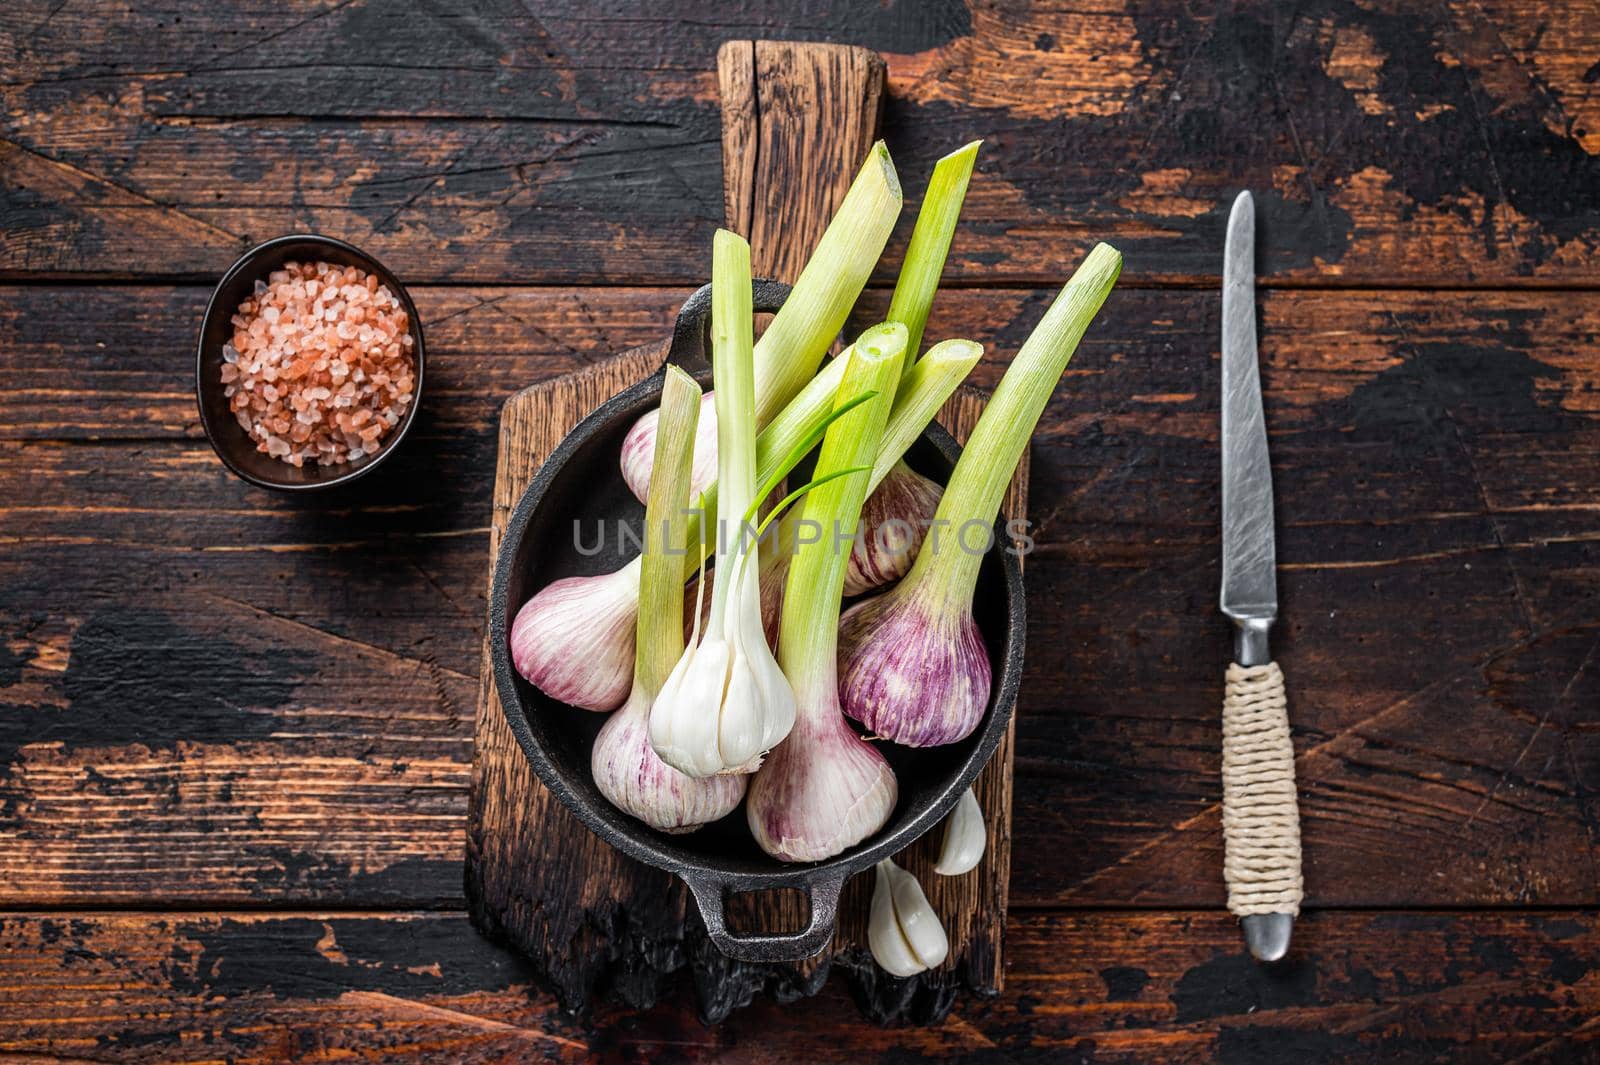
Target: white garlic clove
(758,709)
(884,938)
(633,779)
(639,451)
(574,640)
(723,707)
(683,719)
(917,920)
(738,713)
(904,933)
(965,836)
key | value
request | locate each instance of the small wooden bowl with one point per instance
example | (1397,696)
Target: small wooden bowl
(231,443)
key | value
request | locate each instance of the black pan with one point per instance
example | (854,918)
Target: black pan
(581,482)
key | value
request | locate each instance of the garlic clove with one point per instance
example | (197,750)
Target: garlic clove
(884,937)
(723,707)
(574,640)
(820,791)
(684,719)
(894,521)
(911,672)
(918,923)
(739,732)
(759,708)
(637,782)
(639,451)
(781,707)
(903,932)
(965,837)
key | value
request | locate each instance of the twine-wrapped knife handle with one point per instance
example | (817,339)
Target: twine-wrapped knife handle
(1260,815)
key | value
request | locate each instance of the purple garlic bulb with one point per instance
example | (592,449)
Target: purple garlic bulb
(912,671)
(639,451)
(894,522)
(574,640)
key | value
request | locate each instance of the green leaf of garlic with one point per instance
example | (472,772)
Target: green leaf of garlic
(965,836)
(903,932)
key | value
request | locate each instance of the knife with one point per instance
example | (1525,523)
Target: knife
(1260,816)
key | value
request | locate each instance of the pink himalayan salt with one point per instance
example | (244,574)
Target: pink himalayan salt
(319,368)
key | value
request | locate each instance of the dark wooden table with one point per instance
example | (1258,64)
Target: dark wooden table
(235,728)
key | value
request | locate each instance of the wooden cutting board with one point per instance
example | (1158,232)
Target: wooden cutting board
(591,921)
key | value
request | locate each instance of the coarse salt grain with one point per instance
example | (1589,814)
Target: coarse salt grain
(320,355)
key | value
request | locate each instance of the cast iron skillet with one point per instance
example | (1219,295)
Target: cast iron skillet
(581,482)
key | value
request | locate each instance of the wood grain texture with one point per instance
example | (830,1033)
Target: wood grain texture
(215,697)
(594,922)
(1439,522)
(1479,988)
(557,143)
(795,116)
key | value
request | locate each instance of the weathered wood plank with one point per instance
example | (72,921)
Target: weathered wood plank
(1453,143)
(1102,988)
(1439,500)
(186,747)
(796,123)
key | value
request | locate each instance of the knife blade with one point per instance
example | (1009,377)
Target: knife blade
(1260,815)
(1249,554)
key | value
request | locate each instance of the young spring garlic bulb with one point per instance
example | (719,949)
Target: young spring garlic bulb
(625,767)
(903,933)
(913,665)
(794,343)
(823,789)
(726,702)
(638,450)
(574,640)
(965,837)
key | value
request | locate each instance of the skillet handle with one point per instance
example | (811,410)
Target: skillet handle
(691,335)
(823,895)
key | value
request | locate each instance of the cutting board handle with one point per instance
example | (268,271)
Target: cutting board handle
(797,121)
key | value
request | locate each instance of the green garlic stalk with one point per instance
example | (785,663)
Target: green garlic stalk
(791,349)
(626,769)
(823,789)
(726,702)
(914,667)
(899,511)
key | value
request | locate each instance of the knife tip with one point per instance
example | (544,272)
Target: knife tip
(1244,202)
